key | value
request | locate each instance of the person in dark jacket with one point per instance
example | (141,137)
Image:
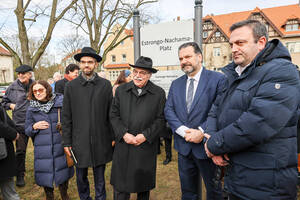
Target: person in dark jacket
(85,123)
(252,127)
(8,165)
(71,72)
(50,165)
(15,99)
(137,119)
(166,135)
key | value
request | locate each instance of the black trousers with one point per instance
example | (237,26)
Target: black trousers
(126,196)
(168,147)
(233,197)
(21,146)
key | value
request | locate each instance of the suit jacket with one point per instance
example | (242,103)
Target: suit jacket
(210,85)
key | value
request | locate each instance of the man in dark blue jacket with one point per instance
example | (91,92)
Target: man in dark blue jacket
(252,127)
(15,99)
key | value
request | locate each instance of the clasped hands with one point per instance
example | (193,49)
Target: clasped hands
(135,140)
(218,160)
(193,135)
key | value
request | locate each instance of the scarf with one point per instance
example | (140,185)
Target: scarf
(44,107)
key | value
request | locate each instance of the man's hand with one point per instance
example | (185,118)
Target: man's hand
(210,155)
(129,139)
(193,135)
(140,138)
(66,149)
(218,160)
(12,106)
(40,125)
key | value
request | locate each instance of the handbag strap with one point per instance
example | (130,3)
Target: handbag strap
(58,115)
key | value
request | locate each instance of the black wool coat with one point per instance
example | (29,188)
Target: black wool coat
(134,167)
(85,120)
(9,133)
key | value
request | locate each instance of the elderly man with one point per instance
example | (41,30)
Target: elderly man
(189,101)
(137,119)
(254,123)
(15,99)
(85,123)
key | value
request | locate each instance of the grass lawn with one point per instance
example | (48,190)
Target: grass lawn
(167,181)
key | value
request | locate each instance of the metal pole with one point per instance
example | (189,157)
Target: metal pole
(198,23)
(136,34)
(198,39)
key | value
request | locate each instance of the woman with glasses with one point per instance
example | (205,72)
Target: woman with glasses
(50,166)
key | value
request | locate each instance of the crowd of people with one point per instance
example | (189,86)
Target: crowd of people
(242,122)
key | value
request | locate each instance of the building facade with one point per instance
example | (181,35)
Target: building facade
(6,66)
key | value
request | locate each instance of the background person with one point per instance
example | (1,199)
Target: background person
(71,72)
(8,165)
(15,98)
(50,165)
(254,123)
(125,76)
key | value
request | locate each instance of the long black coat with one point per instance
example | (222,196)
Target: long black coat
(134,167)
(9,133)
(85,120)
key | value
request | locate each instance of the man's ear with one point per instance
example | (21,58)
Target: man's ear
(262,43)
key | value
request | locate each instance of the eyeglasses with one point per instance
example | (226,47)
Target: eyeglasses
(143,73)
(41,90)
(87,62)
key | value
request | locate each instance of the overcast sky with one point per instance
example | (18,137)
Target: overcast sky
(167,10)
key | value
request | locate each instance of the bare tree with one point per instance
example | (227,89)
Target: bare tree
(97,18)
(71,43)
(24,14)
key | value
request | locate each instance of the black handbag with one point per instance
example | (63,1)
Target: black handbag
(3,150)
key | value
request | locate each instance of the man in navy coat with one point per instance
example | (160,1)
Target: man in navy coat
(189,101)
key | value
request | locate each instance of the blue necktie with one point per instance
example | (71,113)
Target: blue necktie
(189,99)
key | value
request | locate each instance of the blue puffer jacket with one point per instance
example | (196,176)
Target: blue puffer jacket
(255,123)
(49,159)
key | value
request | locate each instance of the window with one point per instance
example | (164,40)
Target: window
(293,47)
(113,58)
(218,34)
(124,57)
(113,75)
(292,25)
(205,34)
(217,51)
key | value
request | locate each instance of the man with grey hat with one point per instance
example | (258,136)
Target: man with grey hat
(137,119)
(85,123)
(15,98)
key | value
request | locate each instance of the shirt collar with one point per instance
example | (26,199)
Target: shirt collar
(197,76)
(239,70)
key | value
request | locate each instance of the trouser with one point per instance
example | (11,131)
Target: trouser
(233,197)
(125,196)
(21,145)
(168,147)
(8,190)
(83,185)
(63,189)
(189,168)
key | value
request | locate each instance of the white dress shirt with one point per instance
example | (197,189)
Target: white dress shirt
(181,129)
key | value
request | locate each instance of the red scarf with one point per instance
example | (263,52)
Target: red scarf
(67,77)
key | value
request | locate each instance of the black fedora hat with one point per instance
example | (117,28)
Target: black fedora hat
(87,51)
(145,63)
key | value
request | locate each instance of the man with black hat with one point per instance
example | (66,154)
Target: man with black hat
(85,123)
(137,119)
(15,98)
